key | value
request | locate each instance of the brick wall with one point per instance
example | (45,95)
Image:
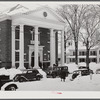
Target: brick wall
(5,43)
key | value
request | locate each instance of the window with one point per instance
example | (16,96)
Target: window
(73,53)
(73,59)
(81,60)
(83,53)
(69,43)
(17,32)
(16,56)
(80,53)
(93,53)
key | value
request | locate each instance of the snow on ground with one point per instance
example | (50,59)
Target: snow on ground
(83,83)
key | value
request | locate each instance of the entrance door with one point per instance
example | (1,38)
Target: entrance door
(32,59)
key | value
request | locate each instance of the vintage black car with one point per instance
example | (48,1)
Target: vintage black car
(9,84)
(28,75)
(82,72)
(56,71)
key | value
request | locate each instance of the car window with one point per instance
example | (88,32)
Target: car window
(35,71)
(24,72)
(30,71)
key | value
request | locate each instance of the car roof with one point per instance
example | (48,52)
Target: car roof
(62,66)
(28,69)
(81,69)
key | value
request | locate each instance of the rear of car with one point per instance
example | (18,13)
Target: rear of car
(82,72)
(6,84)
(57,71)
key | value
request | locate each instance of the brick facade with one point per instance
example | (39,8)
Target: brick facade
(5,43)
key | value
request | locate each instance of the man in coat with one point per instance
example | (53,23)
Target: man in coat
(63,75)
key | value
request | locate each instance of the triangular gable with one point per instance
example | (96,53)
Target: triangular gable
(46,13)
(15,10)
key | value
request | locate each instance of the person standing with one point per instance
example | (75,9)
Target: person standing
(63,75)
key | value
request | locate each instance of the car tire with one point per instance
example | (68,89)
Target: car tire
(54,76)
(10,88)
(38,78)
(21,79)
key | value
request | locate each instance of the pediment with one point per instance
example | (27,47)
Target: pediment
(46,13)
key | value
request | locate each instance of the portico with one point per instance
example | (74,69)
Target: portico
(41,18)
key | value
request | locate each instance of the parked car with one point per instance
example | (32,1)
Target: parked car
(6,84)
(98,71)
(28,75)
(82,72)
(56,72)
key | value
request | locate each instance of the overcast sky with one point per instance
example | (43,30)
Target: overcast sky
(30,5)
(33,4)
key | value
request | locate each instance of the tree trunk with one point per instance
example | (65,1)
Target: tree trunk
(76,52)
(87,55)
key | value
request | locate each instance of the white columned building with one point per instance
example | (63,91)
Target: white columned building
(41,18)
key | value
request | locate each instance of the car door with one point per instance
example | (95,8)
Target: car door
(34,74)
(29,75)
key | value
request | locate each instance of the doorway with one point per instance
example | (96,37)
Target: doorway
(32,60)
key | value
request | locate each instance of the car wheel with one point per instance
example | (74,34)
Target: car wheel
(10,88)
(54,76)
(38,78)
(21,79)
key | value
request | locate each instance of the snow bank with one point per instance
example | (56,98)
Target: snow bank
(42,73)
(11,72)
(3,71)
(72,67)
(94,66)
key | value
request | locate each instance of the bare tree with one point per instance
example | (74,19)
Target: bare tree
(90,32)
(73,14)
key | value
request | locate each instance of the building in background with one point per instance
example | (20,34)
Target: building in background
(70,53)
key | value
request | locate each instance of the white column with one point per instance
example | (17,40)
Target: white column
(41,56)
(36,48)
(52,48)
(13,46)
(21,47)
(62,48)
(29,57)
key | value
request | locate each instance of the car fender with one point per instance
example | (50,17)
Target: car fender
(8,84)
(38,74)
(23,77)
